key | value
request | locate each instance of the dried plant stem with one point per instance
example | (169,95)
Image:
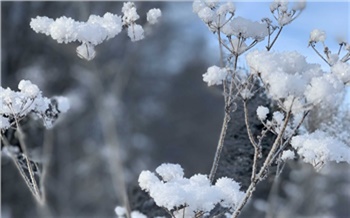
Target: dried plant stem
(319,54)
(252,141)
(219,147)
(264,168)
(32,184)
(227,116)
(111,140)
(275,39)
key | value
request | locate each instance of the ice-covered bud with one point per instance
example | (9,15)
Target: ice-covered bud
(86,51)
(153,15)
(215,75)
(135,32)
(342,71)
(170,171)
(28,88)
(262,112)
(206,14)
(317,35)
(299,5)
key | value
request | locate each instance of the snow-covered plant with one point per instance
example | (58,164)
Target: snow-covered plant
(16,106)
(297,87)
(189,197)
(95,30)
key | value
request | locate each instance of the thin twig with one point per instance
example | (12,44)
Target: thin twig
(252,141)
(290,137)
(29,166)
(319,54)
(263,169)
(274,40)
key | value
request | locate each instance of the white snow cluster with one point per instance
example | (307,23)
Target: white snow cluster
(173,190)
(342,70)
(241,27)
(18,104)
(153,15)
(215,75)
(121,213)
(288,76)
(319,148)
(317,35)
(95,30)
(283,14)
(214,14)
(287,155)
(262,112)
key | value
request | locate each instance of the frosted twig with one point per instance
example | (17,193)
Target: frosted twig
(252,141)
(263,169)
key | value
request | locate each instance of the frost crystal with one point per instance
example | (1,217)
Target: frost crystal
(317,35)
(215,75)
(262,112)
(153,15)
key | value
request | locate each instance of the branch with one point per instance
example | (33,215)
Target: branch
(263,169)
(268,47)
(252,141)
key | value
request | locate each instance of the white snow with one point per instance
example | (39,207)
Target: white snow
(262,112)
(319,148)
(153,15)
(196,192)
(317,35)
(215,75)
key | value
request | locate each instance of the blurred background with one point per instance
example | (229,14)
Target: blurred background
(152,89)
